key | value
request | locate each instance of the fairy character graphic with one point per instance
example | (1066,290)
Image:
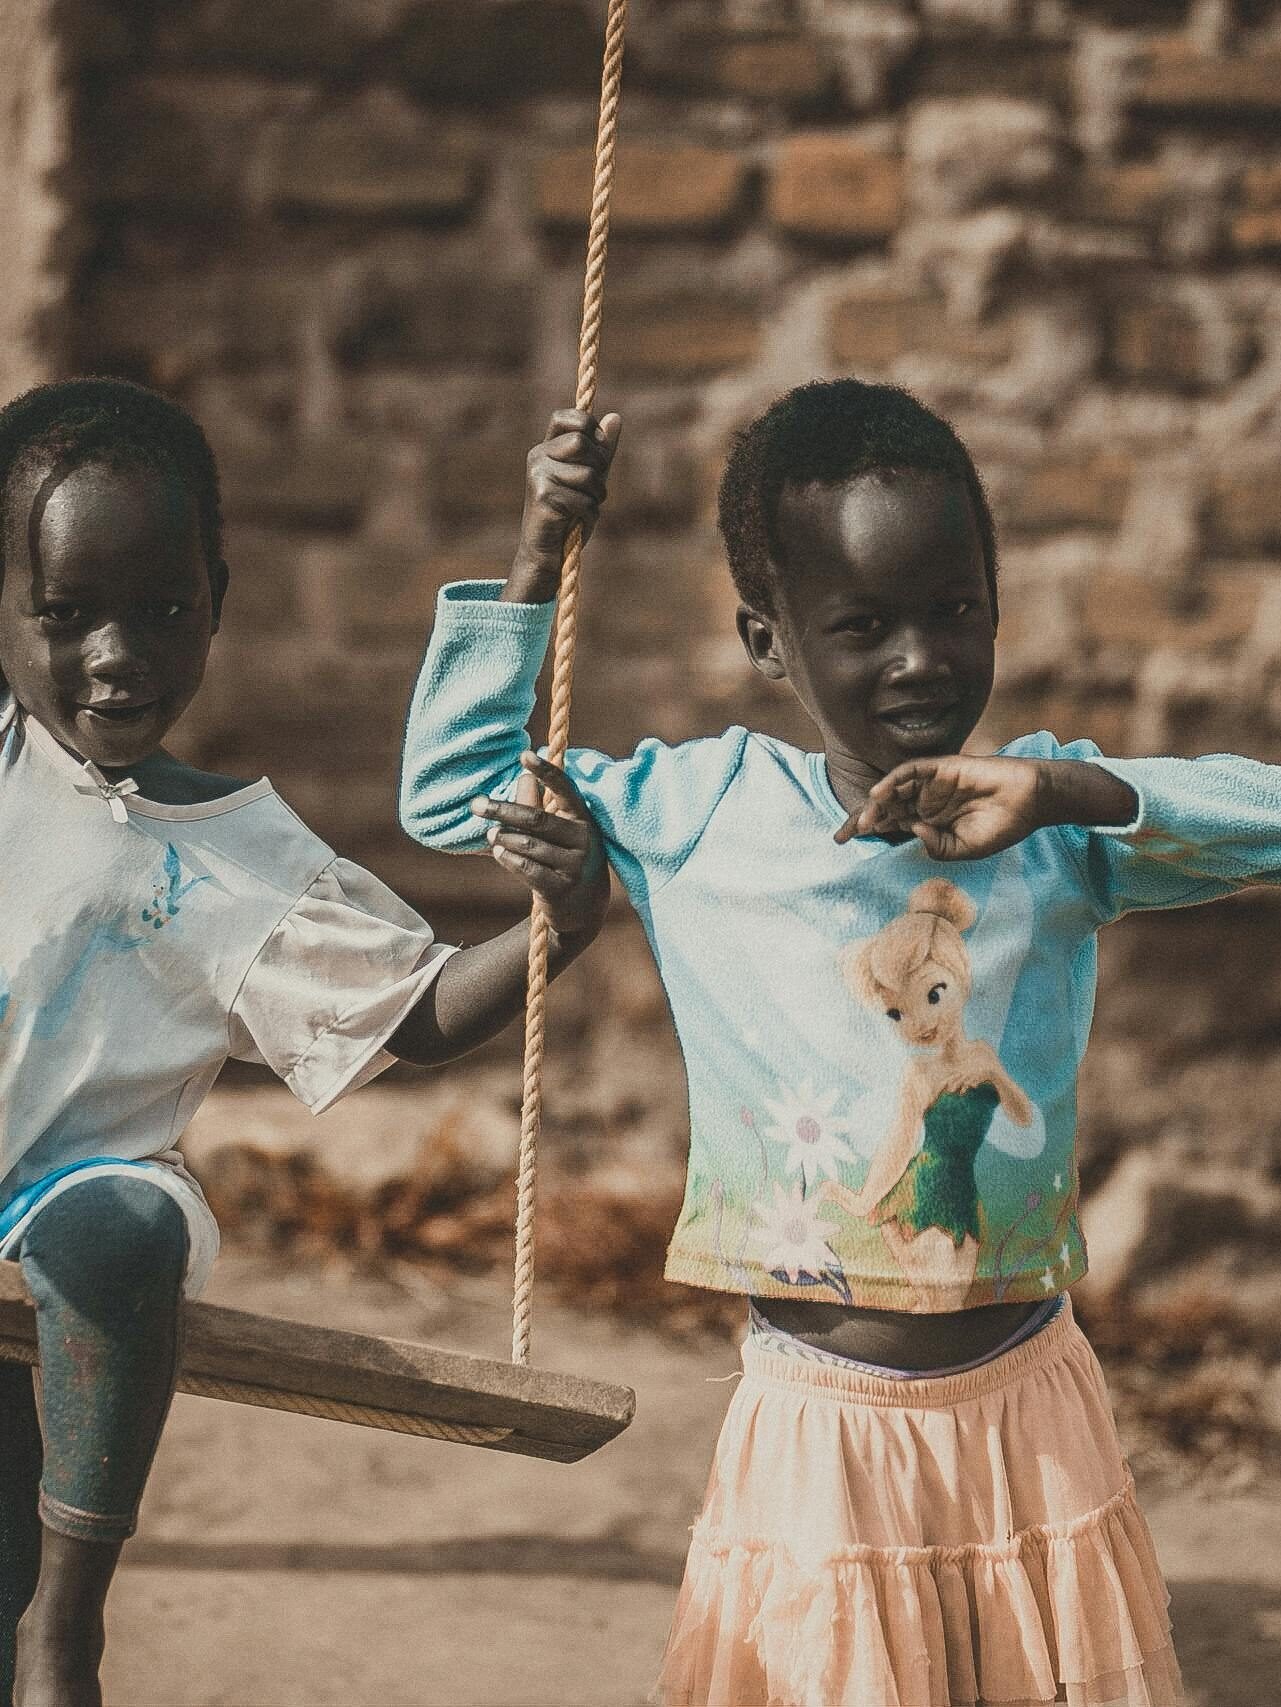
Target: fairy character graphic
(920,1188)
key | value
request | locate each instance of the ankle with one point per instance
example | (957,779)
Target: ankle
(55,1619)
(74,1575)
(57,1660)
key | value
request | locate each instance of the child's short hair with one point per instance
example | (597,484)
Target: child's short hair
(74,421)
(831,431)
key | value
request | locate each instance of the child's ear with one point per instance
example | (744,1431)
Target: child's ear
(218,578)
(759,635)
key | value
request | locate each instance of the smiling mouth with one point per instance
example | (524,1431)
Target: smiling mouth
(914,719)
(121,711)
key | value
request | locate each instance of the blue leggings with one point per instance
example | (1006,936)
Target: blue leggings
(105,1263)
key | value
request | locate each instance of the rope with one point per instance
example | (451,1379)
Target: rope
(305,1404)
(563,678)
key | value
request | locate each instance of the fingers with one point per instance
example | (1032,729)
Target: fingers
(938,844)
(574,436)
(550,881)
(894,805)
(551,777)
(878,818)
(567,825)
(548,850)
(562,494)
(554,829)
(528,792)
(571,476)
(565,486)
(904,782)
(534,851)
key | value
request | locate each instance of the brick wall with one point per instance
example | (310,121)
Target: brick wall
(33,145)
(348,233)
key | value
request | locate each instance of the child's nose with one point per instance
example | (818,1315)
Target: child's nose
(112,655)
(919,656)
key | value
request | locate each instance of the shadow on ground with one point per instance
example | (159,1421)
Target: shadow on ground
(1229,1641)
(606,1560)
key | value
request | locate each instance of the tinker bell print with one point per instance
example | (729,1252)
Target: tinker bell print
(920,1189)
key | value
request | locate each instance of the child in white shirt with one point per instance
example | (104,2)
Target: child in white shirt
(156,920)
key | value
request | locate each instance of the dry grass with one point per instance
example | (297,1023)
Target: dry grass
(1186,1373)
(602,1247)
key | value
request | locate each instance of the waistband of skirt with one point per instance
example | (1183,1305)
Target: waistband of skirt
(853,1385)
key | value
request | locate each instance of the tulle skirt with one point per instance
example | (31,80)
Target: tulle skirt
(969,1540)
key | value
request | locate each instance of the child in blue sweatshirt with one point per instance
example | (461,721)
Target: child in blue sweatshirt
(880,959)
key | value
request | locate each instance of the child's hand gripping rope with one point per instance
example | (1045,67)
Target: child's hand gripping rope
(558,853)
(565,483)
(962,807)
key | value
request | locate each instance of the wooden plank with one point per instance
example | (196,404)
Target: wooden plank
(552,1415)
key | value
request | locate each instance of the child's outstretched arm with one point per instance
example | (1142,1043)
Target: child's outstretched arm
(559,855)
(1142,833)
(967,808)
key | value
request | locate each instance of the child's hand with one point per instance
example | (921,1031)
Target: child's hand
(959,807)
(565,483)
(558,854)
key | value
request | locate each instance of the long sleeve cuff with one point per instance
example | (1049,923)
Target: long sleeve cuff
(1218,816)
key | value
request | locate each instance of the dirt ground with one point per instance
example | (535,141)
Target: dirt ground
(287,1562)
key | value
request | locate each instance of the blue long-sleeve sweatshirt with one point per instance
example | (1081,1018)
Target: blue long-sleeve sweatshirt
(882,1051)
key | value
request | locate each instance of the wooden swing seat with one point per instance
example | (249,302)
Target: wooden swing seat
(360,1378)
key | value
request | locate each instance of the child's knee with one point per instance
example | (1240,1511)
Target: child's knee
(105,1241)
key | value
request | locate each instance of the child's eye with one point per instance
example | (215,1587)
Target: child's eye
(862,627)
(936,994)
(166,610)
(960,607)
(60,615)
(895,1014)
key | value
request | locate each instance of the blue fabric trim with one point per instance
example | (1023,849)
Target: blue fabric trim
(30,1195)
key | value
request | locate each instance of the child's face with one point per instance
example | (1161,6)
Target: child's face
(107,607)
(884,627)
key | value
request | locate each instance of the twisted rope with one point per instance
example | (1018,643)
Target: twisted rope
(304,1404)
(563,678)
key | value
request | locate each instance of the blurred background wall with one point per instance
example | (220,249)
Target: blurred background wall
(348,234)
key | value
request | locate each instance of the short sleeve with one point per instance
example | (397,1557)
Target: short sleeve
(331,984)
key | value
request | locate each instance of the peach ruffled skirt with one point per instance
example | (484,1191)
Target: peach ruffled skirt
(968,1540)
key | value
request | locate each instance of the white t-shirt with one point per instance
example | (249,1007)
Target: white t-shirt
(141,944)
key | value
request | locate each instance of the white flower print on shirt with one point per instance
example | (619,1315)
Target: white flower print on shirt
(791,1235)
(815,1142)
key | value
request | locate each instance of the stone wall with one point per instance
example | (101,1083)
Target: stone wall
(348,233)
(33,214)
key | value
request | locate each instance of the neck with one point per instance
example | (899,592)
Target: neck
(154,762)
(851,778)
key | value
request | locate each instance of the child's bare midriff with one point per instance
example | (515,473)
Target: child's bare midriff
(893,1337)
